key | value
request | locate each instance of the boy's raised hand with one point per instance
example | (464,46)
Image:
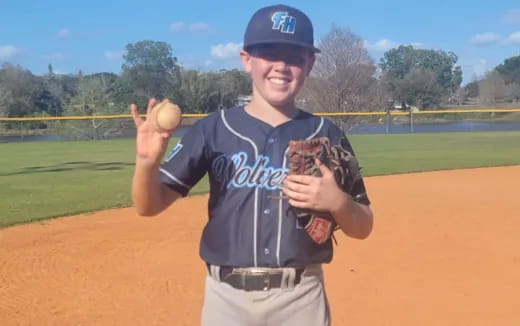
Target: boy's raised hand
(150,143)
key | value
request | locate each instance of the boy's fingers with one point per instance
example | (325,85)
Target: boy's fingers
(293,195)
(151,103)
(325,171)
(298,204)
(293,186)
(135,115)
(303,179)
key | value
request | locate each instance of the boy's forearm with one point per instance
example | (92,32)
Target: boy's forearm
(353,218)
(146,190)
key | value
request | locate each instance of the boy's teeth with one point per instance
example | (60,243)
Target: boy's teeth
(278,81)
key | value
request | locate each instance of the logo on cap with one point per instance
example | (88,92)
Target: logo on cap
(283,22)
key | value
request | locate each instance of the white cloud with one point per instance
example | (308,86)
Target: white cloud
(64,33)
(511,17)
(485,38)
(198,27)
(381,45)
(513,38)
(8,51)
(57,56)
(114,55)
(493,38)
(226,51)
(177,27)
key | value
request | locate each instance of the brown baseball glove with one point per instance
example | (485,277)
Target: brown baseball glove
(302,155)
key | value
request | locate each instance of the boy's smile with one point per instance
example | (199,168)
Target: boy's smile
(279,81)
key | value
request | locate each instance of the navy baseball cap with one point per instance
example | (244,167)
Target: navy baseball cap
(280,24)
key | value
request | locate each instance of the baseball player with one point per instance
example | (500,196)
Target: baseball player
(263,268)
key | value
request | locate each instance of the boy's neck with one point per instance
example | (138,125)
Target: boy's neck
(272,115)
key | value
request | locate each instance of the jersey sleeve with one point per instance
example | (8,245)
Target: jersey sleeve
(359,192)
(186,163)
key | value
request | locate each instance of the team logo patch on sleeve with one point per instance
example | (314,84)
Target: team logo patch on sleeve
(283,22)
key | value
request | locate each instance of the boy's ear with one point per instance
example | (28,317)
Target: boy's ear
(245,57)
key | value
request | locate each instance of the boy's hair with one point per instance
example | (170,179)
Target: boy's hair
(280,24)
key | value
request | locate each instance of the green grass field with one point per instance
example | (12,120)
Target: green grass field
(40,180)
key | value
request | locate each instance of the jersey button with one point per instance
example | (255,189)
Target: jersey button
(267,211)
(267,251)
(270,140)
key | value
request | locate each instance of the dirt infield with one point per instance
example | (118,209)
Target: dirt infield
(444,251)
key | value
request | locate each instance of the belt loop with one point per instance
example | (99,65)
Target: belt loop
(284,282)
(214,272)
(291,277)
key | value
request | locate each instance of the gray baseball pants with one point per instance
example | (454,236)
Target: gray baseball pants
(300,305)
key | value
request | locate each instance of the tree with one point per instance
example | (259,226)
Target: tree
(20,89)
(492,89)
(471,89)
(343,77)
(510,73)
(456,78)
(5,100)
(210,91)
(459,96)
(227,86)
(50,70)
(53,95)
(194,91)
(150,70)
(510,70)
(94,97)
(419,87)
(22,94)
(513,92)
(401,64)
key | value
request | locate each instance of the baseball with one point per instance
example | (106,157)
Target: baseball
(166,116)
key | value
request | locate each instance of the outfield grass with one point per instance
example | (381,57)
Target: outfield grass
(40,180)
(404,153)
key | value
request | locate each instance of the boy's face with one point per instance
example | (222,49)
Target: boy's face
(278,71)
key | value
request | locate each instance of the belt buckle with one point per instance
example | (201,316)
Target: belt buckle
(252,273)
(251,278)
(256,271)
(266,280)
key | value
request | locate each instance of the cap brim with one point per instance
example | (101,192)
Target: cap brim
(303,45)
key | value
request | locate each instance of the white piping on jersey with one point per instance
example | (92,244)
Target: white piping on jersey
(238,134)
(280,211)
(171,176)
(255,212)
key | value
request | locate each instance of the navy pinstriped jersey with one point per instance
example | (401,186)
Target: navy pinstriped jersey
(246,160)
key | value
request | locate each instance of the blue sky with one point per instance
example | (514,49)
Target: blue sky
(91,35)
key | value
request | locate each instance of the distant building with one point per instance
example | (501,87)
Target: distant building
(398,106)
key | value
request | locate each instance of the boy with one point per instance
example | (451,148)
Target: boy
(263,267)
